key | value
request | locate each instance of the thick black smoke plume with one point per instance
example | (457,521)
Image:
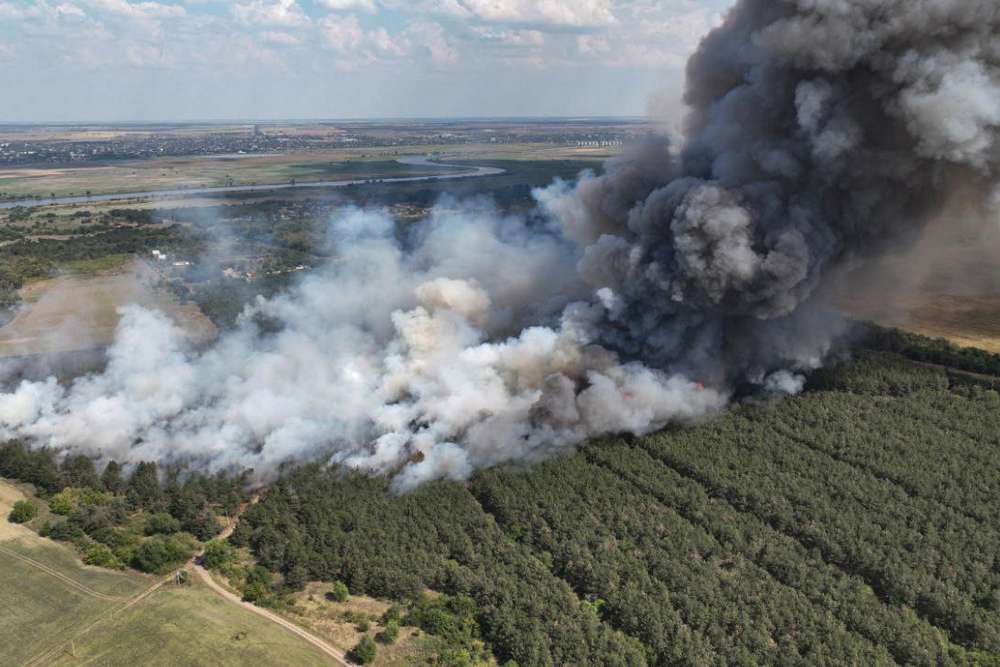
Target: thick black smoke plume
(821,132)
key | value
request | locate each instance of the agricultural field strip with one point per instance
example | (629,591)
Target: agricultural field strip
(909,638)
(906,454)
(62,577)
(666,559)
(896,569)
(53,652)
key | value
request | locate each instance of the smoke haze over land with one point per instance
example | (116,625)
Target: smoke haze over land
(820,132)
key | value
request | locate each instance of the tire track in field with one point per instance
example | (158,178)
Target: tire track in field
(52,653)
(62,577)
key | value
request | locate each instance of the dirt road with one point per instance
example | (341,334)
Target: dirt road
(336,655)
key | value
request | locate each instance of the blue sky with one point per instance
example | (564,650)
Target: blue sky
(92,60)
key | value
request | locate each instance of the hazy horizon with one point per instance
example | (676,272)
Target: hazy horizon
(208,60)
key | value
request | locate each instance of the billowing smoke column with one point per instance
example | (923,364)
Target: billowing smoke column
(821,131)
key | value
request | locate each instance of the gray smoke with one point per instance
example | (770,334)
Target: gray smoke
(820,131)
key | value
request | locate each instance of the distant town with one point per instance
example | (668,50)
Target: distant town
(31,145)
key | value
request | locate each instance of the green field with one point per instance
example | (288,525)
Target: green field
(190,626)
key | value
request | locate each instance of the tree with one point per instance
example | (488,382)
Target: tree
(364,653)
(162,523)
(22,512)
(160,553)
(258,588)
(296,578)
(61,503)
(218,554)
(79,471)
(111,478)
(144,487)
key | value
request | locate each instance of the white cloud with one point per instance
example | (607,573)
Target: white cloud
(562,13)
(517,38)
(433,40)
(281,38)
(286,13)
(349,5)
(343,34)
(69,9)
(136,9)
(9,11)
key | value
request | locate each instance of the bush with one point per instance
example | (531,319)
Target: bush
(60,504)
(101,556)
(63,531)
(71,498)
(162,553)
(22,512)
(259,588)
(390,634)
(364,653)
(340,593)
(162,523)
(218,554)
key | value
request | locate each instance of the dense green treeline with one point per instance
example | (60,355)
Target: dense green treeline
(614,543)
(911,550)
(348,528)
(910,639)
(850,525)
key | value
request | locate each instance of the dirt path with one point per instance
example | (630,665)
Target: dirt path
(62,577)
(337,655)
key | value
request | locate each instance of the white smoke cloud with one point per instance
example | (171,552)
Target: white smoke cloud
(820,132)
(421,363)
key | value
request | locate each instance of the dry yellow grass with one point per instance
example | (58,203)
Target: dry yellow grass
(326,619)
(71,312)
(10,494)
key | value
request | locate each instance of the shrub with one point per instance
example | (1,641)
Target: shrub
(71,498)
(101,556)
(218,554)
(258,588)
(161,553)
(60,504)
(162,523)
(390,634)
(63,531)
(340,593)
(22,512)
(364,653)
